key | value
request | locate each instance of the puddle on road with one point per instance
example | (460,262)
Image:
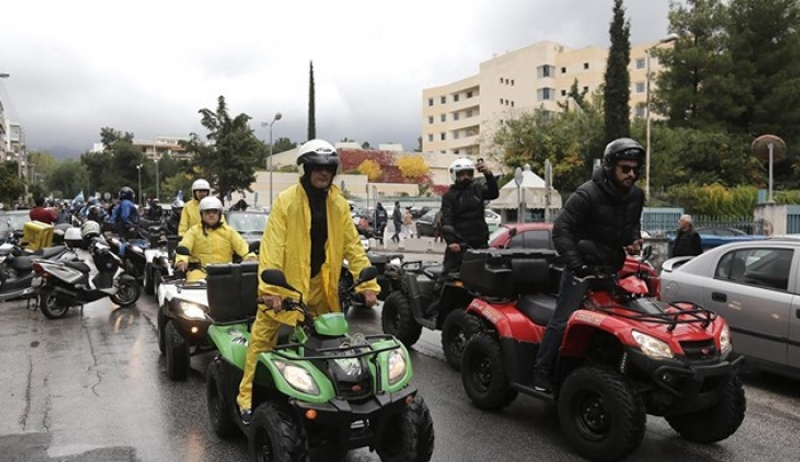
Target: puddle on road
(34,344)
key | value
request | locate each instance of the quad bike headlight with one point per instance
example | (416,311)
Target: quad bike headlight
(192,310)
(653,347)
(725,344)
(297,377)
(397,366)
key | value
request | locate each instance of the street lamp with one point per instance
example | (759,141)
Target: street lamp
(669,38)
(275,118)
(139,171)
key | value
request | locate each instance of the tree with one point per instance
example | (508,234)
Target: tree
(109,136)
(69,176)
(232,154)
(11,186)
(365,145)
(283,144)
(42,162)
(617,78)
(312,111)
(371,169)
(577,96)
(412,166)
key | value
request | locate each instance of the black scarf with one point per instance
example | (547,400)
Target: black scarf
(317,201)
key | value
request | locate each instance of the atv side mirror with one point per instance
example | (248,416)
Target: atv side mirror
(275,277)
(368,273)
(181,250)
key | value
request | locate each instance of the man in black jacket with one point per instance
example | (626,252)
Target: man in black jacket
(606,210)
(463,209)
(687,241)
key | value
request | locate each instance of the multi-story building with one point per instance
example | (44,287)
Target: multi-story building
(160,145)
(3,151)
(459,117)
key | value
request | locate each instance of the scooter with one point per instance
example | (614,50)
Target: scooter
(158,265)
(16,272)
(320,390)
(623,355)
(65,284)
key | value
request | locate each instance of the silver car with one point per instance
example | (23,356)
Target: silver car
(755,286)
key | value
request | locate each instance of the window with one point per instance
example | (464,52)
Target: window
(767,268)
(639,87)
(430,119)
(501,80)
(469,113)
(444,100)
(533,239)
(455,151)
(563,70)
(455,98)
(455,135)
(545,94)
(546,71)
(586,89)
(563,92)
(586,65)
(640,63)
(442,136)
(430,138)
(512,82)
(455,116)
(505,102)
(469,94)
(443,117)
(640,110)
(430,101)
(501,100)
(512,104)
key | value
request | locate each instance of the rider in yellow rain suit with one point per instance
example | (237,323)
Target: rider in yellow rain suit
(190,215)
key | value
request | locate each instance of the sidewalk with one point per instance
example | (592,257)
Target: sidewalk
(415,245)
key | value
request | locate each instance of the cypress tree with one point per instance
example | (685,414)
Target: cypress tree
(617,78)
(312,116)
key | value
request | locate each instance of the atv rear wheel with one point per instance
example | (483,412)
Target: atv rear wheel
(276,436)
(459,326)
(128,292)
(715,423)
(483,374)
(408,435)
(177,352)
(602,417)
(398,320)
(219,408)
(51,306)
(148,279)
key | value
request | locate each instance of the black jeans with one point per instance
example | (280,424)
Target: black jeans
(398,226)
(569,300)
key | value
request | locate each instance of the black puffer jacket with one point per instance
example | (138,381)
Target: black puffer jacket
(599,212)
(463,209)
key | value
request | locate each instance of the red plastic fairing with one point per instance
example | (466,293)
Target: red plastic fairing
(507,320)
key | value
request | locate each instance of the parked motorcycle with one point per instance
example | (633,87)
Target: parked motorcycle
(16,269)
(64,284)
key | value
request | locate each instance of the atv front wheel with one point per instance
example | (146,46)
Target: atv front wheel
(219,407)
(718,422)
(483,374)
(51,306)
(128,292)
(398,320)
(162,324)
(408,435)
(459,326)
(177,352)
(276,436)
(602,417)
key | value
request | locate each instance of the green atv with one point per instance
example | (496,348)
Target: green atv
(320,391)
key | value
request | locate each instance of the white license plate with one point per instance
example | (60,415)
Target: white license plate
(36,282)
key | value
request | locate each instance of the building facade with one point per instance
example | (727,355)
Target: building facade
(158,146)
(459,117)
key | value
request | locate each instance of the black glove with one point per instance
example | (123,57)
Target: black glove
(580,271)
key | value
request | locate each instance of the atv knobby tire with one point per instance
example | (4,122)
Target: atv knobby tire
(276,436)
(162,325)
(398,320)
(483,374)
(459,326)
(51,306)
(148,279)
(408,435)
(715,423)
(220,408)
(177,352)
(602,416)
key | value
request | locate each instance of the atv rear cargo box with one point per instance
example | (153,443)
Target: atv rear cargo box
(507,273)
(232,291)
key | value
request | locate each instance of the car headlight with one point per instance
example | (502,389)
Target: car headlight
(725,344)
(397,366)
(192,310)
(297,377)
(653,347)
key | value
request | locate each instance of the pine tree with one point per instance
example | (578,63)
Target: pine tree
(312,115)
(617,78)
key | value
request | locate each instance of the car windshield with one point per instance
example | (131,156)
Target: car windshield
(248,222)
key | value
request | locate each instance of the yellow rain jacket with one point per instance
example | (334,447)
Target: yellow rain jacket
(213,246)
(190,216)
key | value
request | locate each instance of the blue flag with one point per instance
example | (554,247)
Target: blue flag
(78,198)
(179,196)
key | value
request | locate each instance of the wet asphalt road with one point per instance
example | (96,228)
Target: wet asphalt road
(92,387)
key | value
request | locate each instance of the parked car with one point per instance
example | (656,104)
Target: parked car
(424,224)
(249,223)
(493,219)
(17,218)
(417,212)
(523,236)
(715,237)
(754,285)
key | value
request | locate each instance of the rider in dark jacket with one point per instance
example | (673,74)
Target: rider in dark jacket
(607,211)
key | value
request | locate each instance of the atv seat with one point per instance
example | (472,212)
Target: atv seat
(538,308)
(232,291)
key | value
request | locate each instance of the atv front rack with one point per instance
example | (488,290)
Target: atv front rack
(277,351)
(696,314)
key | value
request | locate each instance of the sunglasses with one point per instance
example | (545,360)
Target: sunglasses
(626,169)
(327,168)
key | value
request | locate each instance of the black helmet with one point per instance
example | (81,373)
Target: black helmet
(623,149)
(126,193)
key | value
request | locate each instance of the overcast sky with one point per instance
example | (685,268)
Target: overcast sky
(147,67)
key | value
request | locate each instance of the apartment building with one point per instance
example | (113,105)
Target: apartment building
(160,146)
(459,117)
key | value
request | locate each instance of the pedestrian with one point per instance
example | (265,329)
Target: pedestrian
(380,219)
(437,227)
(687,241)
(397,221)
(408,224)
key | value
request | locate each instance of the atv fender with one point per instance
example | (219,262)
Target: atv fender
(507,320)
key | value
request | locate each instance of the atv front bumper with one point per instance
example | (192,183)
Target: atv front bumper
(355,424)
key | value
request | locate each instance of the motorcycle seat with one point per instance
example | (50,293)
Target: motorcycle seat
(78,265)
(49,252)
(538,308)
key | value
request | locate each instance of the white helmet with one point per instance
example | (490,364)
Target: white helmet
(210,203)
(90,229)
(200,185)
(317,152)
(460,165)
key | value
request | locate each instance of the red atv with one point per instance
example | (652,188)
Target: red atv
(624,354)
